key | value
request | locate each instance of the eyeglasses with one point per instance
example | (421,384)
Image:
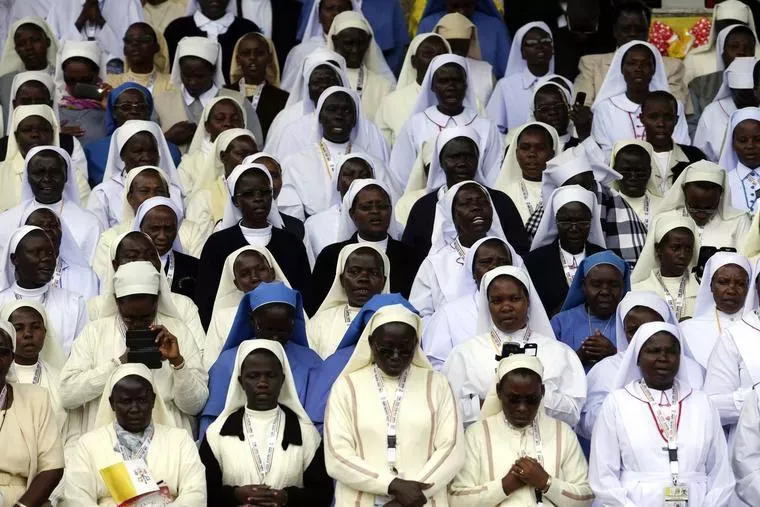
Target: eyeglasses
(552,108)
(514,399)
(569,224)
(143,39)
(5,352)
(252,194)
(532,43)
(131,107)
(389,351)
(708,211)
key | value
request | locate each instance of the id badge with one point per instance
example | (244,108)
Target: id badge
(380,501)
(676,496)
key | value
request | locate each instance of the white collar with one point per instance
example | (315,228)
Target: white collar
(381,245)
(213,27)
(466,117)
(518,335)
(33,294)
(528,78)
(743,171)
(623,102)
(204,98)
(256,232)
(663,398)
(570,258)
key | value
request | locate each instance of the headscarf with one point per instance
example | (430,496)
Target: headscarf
(22,113)
(138,277)
(266,293)
(705,304)
(317,58)
(70,189)
(106,415)
(614,83)
(236,397)
(516,64)
(372,162)
(721,43)
(199,47)
(373,58)
(148,205)
(89,50)
(457,26)
(69,251)
(738,75)
(629,368)
(10,61)
(12,241)
(337,295)
(161,58)
(428,99)
(201,138)
(575,295)
(567,91)
(20,79)
(652,186)
(569,164)
(362,356)
(115,165)
(356,131)
(463,283)
(346,225)
(128,214)
(444,230)
(51,354)
(11,331)
(660,225)
(408,73)
(537,318)
(704,170)
(492,404)
(511,173)
(728,9)
(223,141)
(106,286)
(547,230)
(229,296)
(314,28)
(729,160)
(631,300)
(111,125)
(272,74)
(232,215)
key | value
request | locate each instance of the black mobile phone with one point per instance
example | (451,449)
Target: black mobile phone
(704,255)
(87,91)
(512,348)
(580,99)
(143,348)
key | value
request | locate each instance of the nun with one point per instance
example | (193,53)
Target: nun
(703,192)
(740,159)
(654,404)
(366,449)
(396,107)
(722,299)
(216,21)
(736,92)
(635,162)
(744,458)
(456,320)
(665,265)
(510,315)
(137,303)
(351,36)
(636,69)
(146,59)
(244,270)
(262,400)
(570,230)
(586,322)
(52,165)
(530,58)
(447,100)
(362,272)
(272,311)
(502,465)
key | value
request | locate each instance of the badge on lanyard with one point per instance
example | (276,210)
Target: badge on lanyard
(676,496)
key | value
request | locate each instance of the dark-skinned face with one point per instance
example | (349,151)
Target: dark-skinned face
(449,84)
(33,131)
(236,151)
(322,78)
(141,149)
(34,260)
(463,7)
(49,222)
(630,26)
(674,251)
(213,9)
(328,9)
(738,43)
(352,169)
(79,70)
(659,360)
(508,304)
(603,289)
(274,321)
(352,44)
(490,255)
(32,93)
(634,164)
(520,393)
(338,117)
(638,316)
(47,174)
(6,355)
(534,149)
(224,115)
(253,196)
(250,269)
(160,224)
(729,287)
(638,68)
(131,105)
(426,51)
(145,185)
(746,143)
(197,75)
(537,49)
(702,201)
(135,247)
(363,276)
(659,118)
(138,311)
(275,171)
(393,346)
(132,401)
(262,378)
(30,333)
(459,160)
(253,56)
(140,45)
(472,213)
(573,226)
(550,108)
(31,45)
(371,213)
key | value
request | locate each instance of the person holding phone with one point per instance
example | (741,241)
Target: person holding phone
(138,302)
(509,311)
(551,105)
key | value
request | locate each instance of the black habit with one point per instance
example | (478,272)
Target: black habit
(419,227)
(405,262)
(186,27)
(545,268)
(287,250)
(185,274)
(285,21)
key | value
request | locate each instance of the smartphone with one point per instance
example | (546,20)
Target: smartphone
(580,99)
(512,348)
(143,348)
(87,91)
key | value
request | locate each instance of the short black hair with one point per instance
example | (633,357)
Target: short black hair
(632,6)
(660,95)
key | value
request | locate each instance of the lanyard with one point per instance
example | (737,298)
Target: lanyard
(3,396)
(56,280)
(676,304)
(262,467)
(327,158)
(360,81)
(391,413)
(347,314)
(635,128)
(754,181)
(525,195)
(37,374)
(604,331)
(568,269)
(646,210)
(497,343)
(141,452)
(538,448)
(170,265)
(666,425)
(256,96)
(456,245)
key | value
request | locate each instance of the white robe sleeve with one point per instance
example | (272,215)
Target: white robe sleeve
(496,109)
(342,461)
(703,137)
(403,155)
(604,468)
(421,296)
(465,389)
(191,490)
(493,155)
(79,163)
(597,393)
(723,383)
(681,132)
(190,386)
(720,478)
(448,439)
(82,378)
(572,488)
(97,203)
(469,488)
(565,383)
(746,458)
(601,128)
(80,486)
(436,340)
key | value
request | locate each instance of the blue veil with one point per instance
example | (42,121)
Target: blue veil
(575,295)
